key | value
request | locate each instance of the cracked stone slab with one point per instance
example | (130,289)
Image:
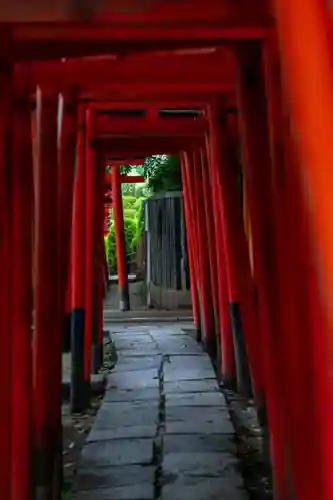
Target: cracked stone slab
(200,443)
(171,374)
(117,452)
(201,465)
(121,432)
(217,426)
(132,380)
(137,363)
(127,414)
(150,393)
(190,419)
(105,477)
(187,386)
(206,399)
(143,491)
(204,489)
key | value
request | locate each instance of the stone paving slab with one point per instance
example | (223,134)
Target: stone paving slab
(138,363)
(127,414)
(196,399)
(143,491)
(204,489)
(171,374)
(200,443)
(146,394)
(118,452)
(120,432)
(105,477)
(181,386)
(133,380)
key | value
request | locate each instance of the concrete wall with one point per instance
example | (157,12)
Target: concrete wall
(166,298)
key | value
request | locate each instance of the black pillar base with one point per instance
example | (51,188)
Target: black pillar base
(80,388)
(95,358)
(66,338)
(242,367)
(124,299)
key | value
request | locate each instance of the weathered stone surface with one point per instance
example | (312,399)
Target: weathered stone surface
(198,454)
(104,477)
(200,443)
(216,426)
(171,374)
(143,491)
(192,419)
(138,363)
(117,452)
(204,489)
(121,432)
(149,393)
(180,386)
(200,465)
(127,414)
(133,380)
(206,399)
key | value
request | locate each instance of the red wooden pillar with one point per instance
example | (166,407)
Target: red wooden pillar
(242,300)
(5,282)
(47,348)
(299,301)
(89,336)
(193,178)
(67,155)
(190,238)
(211,241)
(21,289)
(100,256)
(227,368)
(310,101)
(80,378)
(124,301)
(258,182)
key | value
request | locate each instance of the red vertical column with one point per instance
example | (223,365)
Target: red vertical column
(5,282)
(209,218)
(21,289)
(227,367)
(47,352)
(190,236)
(258,182)
(80,378)
(195,193)
(67,155)
(90,241)
(124,302)
(242,303)
(100,257)
(308,77)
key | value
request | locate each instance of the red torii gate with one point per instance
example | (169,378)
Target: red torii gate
(303,70)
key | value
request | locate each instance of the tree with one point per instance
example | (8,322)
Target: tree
(163,173)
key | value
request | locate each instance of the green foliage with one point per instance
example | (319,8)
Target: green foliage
(130,229)
(163,173)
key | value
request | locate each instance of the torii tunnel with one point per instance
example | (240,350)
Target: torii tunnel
(243,92)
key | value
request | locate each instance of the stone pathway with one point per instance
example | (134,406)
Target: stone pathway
(163,430)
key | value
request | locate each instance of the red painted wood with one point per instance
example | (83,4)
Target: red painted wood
(90,156)
(79,225)
(203,258)
(137,127)
(22,303)
(228,369)
(47,333)
(190,236)
(257,176)
(6,86)
(120,239)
